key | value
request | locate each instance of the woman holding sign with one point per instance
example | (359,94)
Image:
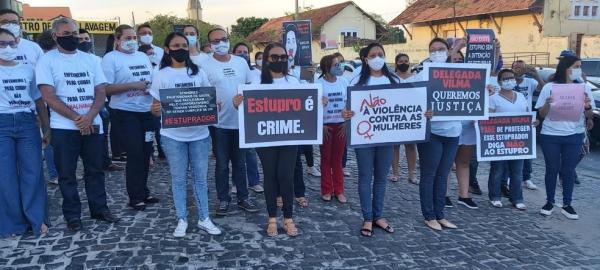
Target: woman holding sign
(278,161)
(565,105)
(185,146)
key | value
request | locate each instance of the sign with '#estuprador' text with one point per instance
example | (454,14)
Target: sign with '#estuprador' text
(188,107)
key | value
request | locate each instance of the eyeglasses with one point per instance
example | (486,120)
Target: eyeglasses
(505,79)
(217,41)
(278,58)
(8,22)
(4,44)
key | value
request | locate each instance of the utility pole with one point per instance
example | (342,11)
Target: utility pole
(297,10)
(133,19)
(197,13)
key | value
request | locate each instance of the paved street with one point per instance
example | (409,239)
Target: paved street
(487,238)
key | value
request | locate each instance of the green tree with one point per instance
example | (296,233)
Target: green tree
(246,25)
(162,25)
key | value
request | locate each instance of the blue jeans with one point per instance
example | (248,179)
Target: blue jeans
(252,168)
(435,162)
(299,187)
(49,157)
(22,188)
(373,167)
(561,154)
(228,149)
(512,168)
(180,155)
(527,169)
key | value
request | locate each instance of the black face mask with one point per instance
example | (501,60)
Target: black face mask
(277,67)
(402,67)
(179,55)
(68,43)
(84,46)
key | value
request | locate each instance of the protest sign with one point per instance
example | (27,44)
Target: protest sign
(277,115)
(186,107)
(480,46)
(457,91)
(297,39)
(178,28)
(506,136)
(567,102)
(388,114)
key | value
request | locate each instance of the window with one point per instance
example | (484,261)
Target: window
(577,11)
(594,11)
(585,9)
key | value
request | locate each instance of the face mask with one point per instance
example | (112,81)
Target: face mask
(337,70)
(129,46)
(146,39)
(438,57)
(376,63)
(179,55)
(259,62)
(221,49)
(245,56)
(8,54)
(402,67)
(68,43)
(192,40)
(575,74)
(509,85)
(15,29)
(277,67)
(85,46)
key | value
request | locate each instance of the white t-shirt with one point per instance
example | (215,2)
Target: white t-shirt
(120,68)
(74,77)
(375,80)
(18,90)
(561,128)
(500,104)
(199,58)
(336,94)
(28,52)
(169,77)
(526,87)
(226,77)
(158,54)
(255,74)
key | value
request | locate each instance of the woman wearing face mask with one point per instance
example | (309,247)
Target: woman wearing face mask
(22,187)
(256,69)
(334,140)
(507,100)
(129,73)
(404,74)
(279,161)
(187,146)
(562,140)
(191,33)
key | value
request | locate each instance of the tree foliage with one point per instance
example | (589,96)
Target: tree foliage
(162,25)
(246,25)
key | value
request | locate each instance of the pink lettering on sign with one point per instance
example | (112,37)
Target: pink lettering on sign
(567,102)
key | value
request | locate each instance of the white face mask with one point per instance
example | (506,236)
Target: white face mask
(575,74)
(376,63)
(192,40)
(15,29)
(8,54)
(221,49)
(146,39)
(438,57)
(129,46)
(259,62)
(509,85)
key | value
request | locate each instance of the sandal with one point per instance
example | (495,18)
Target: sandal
(43,229)
(279,202)
(413,180)
(341,198)
(326,197)
(302,201)
(366,232)
(387,228)
(272,228)
(290,227)
(393,177)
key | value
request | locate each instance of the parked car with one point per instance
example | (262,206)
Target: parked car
(595,132)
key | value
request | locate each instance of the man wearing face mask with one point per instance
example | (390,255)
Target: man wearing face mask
(144,32)
(226,72)
(28,52)
(73,85)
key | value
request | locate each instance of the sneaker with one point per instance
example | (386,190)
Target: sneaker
(448,203)
(181,228)
(520,206)
(577,182)
(497,204)
(223,207)
(208,226)
(468,202)
(233,189)
(547,209)
(248,206)
(474,189)
(313,171)
(113,168)
(505,191)
(53,181)
(347,172)
(530,185)
(569,212)
(257,188)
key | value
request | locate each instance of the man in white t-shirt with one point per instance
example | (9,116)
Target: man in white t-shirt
(144,33)
(73,85)
(226,72)
(28,52)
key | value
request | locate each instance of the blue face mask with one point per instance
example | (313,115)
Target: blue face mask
(337,70)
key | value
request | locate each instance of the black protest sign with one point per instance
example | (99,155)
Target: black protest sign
(276,115)
(178,28)
(457,91)
(480,46)
(506,136)
(297,39)
(186,107)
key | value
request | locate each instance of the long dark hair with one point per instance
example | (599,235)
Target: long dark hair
(564,63)
(326,63)
(166,60)
(265,73)
(239,44)
(365,72)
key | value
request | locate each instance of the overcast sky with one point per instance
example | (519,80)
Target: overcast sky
(221,12)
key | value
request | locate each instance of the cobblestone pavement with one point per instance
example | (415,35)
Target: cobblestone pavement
(486,239)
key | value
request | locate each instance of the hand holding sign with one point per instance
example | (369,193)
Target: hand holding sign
(567,102)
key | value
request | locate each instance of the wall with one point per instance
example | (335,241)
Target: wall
(559,22)
(349,18)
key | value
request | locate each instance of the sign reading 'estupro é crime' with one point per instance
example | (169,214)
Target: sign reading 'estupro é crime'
(94,27)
